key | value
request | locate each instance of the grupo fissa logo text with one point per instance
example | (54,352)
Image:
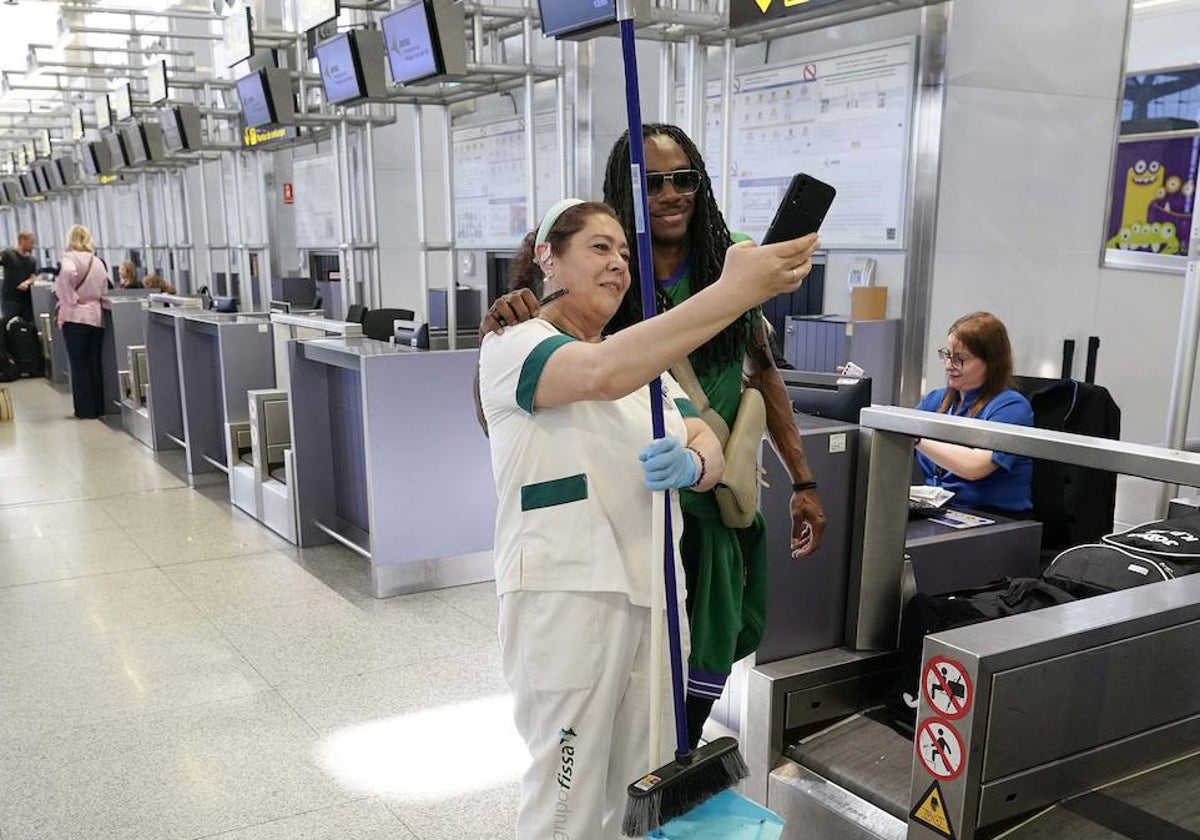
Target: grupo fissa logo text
(566,774)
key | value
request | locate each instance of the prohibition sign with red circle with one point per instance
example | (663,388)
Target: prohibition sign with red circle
(945,674)
(940,749)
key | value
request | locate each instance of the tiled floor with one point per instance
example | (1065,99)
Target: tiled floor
(171,669)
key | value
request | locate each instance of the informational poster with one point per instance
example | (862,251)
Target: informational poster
(844,119)
(712,130)
(252,231)
(128,218)
(1153,192)
(45,224)
(489,180)
(315,201)
(1154,179)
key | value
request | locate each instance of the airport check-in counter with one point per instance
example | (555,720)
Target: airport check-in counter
(390,461)
(261,460)
(813,616)
(159,423)
(44,301)
(1049,705)
(124,327)
(223,356)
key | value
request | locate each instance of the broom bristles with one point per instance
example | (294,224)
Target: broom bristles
(674,789)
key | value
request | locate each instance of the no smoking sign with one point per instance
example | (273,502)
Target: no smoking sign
(947,687)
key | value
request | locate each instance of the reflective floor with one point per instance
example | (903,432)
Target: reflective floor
(171,669)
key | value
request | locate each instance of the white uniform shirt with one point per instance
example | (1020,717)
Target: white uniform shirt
(574,512)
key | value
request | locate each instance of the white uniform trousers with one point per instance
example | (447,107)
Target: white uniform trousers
(578,664)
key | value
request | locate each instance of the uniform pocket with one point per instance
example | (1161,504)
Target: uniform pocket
(560,640)
(556,531)
(560,491)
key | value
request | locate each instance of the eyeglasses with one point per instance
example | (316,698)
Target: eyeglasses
(685,181)
(956,360)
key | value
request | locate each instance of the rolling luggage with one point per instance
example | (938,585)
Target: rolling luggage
(22,343)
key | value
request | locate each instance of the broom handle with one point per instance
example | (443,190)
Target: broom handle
(641,213)
(657,602)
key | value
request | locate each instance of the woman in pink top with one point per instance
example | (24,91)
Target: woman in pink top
(81,290)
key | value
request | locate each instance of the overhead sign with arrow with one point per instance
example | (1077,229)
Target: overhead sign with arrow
(744,13)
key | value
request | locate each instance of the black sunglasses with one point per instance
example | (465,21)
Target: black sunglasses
(685,181)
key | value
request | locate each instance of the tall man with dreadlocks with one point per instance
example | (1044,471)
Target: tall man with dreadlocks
(726,568)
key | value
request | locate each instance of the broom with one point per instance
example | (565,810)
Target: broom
(695,775)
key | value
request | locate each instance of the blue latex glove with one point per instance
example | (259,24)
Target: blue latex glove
(667,465)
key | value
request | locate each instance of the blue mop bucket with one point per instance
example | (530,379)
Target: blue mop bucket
(727,816)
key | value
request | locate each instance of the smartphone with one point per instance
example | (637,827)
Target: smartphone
(802,210)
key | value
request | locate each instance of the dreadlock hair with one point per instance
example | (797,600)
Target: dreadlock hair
(708,239)
(527,272)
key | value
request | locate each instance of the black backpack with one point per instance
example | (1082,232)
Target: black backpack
(926,614)
(22,343)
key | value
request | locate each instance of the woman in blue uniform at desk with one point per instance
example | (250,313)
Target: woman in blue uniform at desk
(978,363)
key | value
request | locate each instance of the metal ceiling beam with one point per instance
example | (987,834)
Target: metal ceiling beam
(105,30)
(175,14)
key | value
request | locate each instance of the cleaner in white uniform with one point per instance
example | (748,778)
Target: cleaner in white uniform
(569,420)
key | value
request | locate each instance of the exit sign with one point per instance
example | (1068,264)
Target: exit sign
(744,13)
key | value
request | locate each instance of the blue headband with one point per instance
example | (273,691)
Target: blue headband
(550,218)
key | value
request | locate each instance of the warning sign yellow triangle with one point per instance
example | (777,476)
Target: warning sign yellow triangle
(931,812)
(764,5)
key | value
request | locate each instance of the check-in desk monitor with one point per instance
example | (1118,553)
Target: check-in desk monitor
(412,334)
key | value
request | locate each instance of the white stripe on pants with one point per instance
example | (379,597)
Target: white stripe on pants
(578,664)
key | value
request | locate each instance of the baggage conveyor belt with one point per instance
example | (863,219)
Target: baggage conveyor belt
(865,756)
(1158,804)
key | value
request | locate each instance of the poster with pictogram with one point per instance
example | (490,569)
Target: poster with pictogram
(940,749)
(947,686)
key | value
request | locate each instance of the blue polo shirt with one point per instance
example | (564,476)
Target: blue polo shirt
(1009,487)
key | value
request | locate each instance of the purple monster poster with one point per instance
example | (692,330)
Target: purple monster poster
(1154,187)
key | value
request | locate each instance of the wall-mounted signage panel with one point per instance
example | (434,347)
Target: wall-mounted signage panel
(746,13)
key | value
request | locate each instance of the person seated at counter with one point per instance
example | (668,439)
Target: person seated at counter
(127,276)
(978,364)
(155,283)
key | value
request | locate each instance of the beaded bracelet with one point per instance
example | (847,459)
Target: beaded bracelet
(703,466)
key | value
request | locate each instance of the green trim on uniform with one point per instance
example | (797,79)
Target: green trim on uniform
(686,408)
(535,363)
(559,491)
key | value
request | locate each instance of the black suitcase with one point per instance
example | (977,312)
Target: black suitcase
(22,343)
(1097,569)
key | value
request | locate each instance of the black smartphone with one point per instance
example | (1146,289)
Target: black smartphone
(802,210)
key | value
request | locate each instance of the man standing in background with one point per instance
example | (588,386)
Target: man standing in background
(20,270)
